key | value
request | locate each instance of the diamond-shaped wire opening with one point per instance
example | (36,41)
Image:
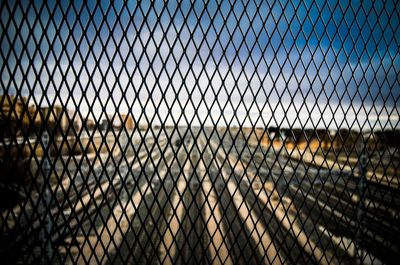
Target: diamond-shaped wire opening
(215,132)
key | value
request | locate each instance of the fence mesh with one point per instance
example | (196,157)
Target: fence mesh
(226,132)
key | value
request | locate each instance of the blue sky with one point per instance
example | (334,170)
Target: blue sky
(251,54)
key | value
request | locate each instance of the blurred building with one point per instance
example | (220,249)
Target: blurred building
(76,120)
(18,117)
(128,120)
(58,119)
(90,124)
(104,125)
(15,116)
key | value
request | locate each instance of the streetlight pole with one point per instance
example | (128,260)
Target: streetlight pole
(361,187)
(45,234)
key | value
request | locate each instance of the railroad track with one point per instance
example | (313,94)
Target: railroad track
(194,198)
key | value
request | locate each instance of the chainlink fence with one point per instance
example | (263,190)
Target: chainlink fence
(214,132)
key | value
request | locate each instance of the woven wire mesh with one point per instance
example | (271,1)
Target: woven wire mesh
(228,132)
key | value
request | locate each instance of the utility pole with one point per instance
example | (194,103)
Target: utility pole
(361,187)
(45,234)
